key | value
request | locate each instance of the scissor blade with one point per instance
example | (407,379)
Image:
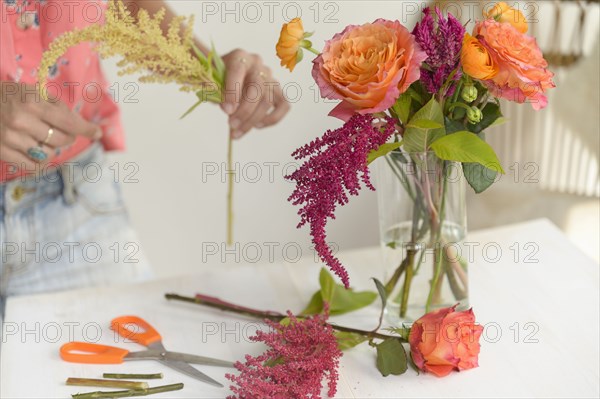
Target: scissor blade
(188,370)
(194,359)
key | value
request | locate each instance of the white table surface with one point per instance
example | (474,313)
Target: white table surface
(555,355)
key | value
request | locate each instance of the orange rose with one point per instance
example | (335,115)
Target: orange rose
(475,59)
(501,12)
(288,47)
(368,67)
(522,70)
(445,340)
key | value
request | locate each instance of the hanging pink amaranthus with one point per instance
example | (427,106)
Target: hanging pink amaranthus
(334,165)
(301,353)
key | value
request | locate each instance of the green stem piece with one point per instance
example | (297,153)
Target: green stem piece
(121,376)
(128,393)
(230,181)
(391,284)
(410,256)
(92,382)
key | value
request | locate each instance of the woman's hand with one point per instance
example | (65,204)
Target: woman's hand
(26,120)
(253,98)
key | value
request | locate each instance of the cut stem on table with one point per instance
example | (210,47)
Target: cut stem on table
(93,382)
(128,393)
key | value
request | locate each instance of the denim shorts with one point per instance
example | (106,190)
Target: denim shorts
(67,228)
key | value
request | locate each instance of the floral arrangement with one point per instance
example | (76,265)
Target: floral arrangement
(435,89)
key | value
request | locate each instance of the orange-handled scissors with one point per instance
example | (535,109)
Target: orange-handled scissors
(138,330)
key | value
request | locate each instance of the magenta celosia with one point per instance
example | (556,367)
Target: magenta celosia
(442,43)
(301,354)
(334,166)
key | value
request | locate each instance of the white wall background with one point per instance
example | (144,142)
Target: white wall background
(178,207)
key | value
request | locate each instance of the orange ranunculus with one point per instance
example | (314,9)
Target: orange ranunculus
(476,60)
(368,67)
(522,70)
(288,47)
(503,13)
(445,340)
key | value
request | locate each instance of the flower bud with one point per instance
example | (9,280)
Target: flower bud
(474,115)
(469,93)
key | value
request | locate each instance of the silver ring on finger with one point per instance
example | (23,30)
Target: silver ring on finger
(49,136)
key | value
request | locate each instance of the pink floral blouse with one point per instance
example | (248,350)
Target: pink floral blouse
(27,28)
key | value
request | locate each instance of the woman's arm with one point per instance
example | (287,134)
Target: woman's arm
(246,74)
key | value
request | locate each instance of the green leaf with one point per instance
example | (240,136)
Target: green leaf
(417,92)
(478,176)
(465,146)
(391,357)
(418,139)
(340,299)
(402,107)
(315,306)
(347,340)
(453,126)
(383,150)
(189,111)
(500,121)
(424,124)
(217,60)
(491,113)
(382,292)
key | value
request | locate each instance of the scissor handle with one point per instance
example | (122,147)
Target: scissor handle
(85,352)
(135,329)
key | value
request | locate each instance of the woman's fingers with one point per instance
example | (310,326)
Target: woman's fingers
(258,100)
(281,107)
(40,131)
(58,115)
(252,97)
(24,142)
(237,63)
(16,157)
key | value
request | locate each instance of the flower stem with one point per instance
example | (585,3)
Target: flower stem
(119,376)
(410,256)
(230,181)
(391,283)
(269,315)
(128,393)
(93,382)
(312,50)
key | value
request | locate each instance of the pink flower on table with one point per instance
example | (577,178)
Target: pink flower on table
(300,355)
(445,340)
(367,67)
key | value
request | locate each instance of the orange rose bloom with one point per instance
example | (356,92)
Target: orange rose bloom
(501,12)
(368,67)
(475,59)
(445,340)
(522,70)
(288,47)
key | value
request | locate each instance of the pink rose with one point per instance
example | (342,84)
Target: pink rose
(522,70)
(445,340)
(367,67)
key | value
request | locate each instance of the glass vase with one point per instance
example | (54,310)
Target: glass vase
(422,220)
